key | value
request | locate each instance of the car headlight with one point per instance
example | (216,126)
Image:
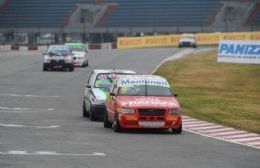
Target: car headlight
(174,112)
(126,111)
(46,59)
(68,59)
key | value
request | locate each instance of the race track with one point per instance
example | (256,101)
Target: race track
(41,124)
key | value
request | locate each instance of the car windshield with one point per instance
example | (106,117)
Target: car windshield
(144,90)
(79,48)
(188,37)
(105,80)
(58,52)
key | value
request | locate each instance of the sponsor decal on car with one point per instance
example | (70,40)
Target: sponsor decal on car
(150,101)
(157,82)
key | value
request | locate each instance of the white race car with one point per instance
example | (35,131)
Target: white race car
(79,54)
(187,40)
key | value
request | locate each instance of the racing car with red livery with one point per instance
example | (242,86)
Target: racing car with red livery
(142,101)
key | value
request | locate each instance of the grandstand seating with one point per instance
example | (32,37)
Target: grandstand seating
(129,13)
(254,19)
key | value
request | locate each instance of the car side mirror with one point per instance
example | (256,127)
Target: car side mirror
(112,94)
(88,86)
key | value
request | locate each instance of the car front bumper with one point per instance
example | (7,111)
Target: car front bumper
(150,122)
(58,65)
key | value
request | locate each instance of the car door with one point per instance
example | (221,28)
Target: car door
(111,102)
(88,91)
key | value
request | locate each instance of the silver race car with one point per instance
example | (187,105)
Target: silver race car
(96,90)
(58,57)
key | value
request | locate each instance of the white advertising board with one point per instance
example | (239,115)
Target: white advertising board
(247,52)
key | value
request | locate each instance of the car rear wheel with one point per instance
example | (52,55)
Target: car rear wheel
(107,123)
(177,131)
(45,68)
(71,68)
(84,111)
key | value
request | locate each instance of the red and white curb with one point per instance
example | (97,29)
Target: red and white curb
(221,132)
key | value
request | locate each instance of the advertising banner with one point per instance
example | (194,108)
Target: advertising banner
(173,40)
(247,52)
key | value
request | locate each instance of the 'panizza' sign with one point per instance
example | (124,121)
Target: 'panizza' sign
(239,51)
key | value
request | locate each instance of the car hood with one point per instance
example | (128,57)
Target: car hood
(78,53)
(100,94)
(147,102)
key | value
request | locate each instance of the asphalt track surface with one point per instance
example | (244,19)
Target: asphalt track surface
(41,124)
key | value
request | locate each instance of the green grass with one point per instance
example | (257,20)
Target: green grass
(223,93)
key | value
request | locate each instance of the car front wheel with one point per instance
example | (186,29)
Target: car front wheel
(84,111)
(177,131)
(116,125)
(107,123)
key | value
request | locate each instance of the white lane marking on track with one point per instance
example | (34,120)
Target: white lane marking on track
(33,96)
(219,130)
(25,109)
(242,135)
(247,139)
(228,133)
(254,143)
(198,125)
(192,122)
(208,127)
(50,153)
(27,126)
(222,139)
(177,55)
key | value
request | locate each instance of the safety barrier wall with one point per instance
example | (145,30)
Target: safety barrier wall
(5,47)
(43,48)
(172,40)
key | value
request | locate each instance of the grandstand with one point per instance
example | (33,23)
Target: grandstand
(124,16)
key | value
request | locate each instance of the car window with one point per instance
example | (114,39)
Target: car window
(132,90)
(153,90)
(144,90)
(89,79)
(104,80)
(59,52)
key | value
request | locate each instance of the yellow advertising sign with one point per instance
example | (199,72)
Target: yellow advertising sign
(173,40)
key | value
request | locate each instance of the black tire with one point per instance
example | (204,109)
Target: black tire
(177,131)
(72,68)
(107,123)
(45,68)
(86,64)
(180,46)
(116,125)
(92,116)
(194,46)
(84,111)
